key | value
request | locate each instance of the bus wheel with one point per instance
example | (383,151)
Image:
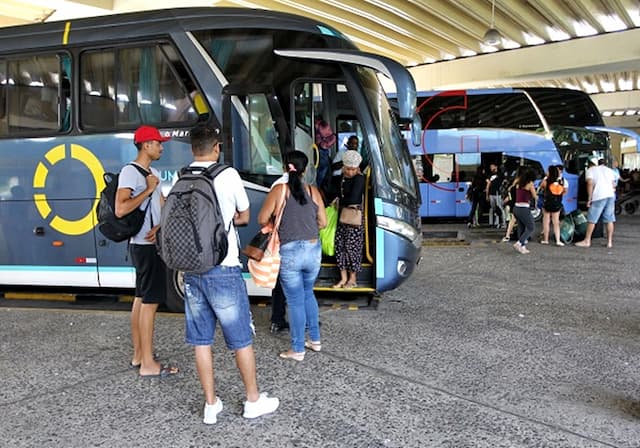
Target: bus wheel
(175,291)
(630,207)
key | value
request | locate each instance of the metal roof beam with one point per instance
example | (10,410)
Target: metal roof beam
(594,54)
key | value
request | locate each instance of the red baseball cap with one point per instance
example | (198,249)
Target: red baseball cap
(148,134)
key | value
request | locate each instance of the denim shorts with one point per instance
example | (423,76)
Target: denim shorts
(605,207)
(218,295)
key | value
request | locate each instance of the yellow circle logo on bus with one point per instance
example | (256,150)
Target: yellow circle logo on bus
(55,155)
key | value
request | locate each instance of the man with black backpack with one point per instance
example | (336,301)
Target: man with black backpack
(219,294)
(138,191)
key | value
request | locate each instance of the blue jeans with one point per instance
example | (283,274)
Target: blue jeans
(324,167)
(299,268)
(526,225)
(218,295)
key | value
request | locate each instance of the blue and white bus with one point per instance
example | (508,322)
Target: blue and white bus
(72,93)
(511,127)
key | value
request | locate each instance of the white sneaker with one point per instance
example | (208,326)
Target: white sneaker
(211,412)
(263,405)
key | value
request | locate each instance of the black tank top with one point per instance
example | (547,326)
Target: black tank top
(299,222)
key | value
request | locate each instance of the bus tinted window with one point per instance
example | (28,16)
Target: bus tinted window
(249,52)
(31,95)
(509,110)
(562,107)
(129,86)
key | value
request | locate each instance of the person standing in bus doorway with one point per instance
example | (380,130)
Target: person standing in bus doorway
(553,187)
(349,239)
(325,139)
(351,144)
(220,294)
(475,193)
(278,301)
(600,200)
(136,191)
(300,252)
(493,197)
(525,192)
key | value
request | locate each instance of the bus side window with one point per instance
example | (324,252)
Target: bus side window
(32,94)
(256,149)
(130,86)
(97,89)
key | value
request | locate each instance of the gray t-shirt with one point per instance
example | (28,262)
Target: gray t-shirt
(131,178)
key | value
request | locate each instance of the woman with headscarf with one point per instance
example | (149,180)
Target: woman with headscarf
(300,252)
(349,238)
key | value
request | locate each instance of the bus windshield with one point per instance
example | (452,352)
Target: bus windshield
(561,107)
(467,130)
(398,165)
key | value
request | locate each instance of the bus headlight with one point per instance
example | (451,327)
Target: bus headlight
(400,228)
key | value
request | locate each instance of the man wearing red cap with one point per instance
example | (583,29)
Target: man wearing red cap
(138,191)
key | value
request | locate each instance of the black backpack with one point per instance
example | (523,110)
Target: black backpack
(114,228)
(192,235)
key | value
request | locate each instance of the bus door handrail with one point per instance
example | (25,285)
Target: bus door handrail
(365,210)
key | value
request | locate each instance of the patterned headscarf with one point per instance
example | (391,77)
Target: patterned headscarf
(351,159)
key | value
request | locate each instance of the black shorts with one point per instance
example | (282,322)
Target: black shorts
(552,206)
(150,273)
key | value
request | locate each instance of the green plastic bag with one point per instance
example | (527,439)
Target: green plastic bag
(567,229)
(328,234)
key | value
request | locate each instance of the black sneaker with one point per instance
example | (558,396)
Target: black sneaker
(279,327)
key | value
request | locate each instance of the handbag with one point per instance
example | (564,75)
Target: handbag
(351,215)
(265,271)
(258,244)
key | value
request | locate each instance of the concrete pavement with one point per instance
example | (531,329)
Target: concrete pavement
(482,347)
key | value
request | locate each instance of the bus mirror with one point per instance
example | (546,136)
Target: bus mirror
(416,130)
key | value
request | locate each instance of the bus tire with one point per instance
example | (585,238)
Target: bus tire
(175,291)
(630,207)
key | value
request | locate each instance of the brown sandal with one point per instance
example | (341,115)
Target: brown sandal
(339,285)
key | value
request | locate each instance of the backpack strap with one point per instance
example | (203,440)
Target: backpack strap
(211,172)
(141,170)
(214,169)
(144,173)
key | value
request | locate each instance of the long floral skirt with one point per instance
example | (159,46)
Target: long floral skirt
(349,242)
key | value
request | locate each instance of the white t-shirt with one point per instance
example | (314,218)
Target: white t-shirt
(232,197)
(603,179)
(132,179)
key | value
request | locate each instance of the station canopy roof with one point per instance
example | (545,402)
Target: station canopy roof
(594,45)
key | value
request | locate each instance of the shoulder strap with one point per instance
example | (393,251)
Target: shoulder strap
(280,206)
(144,173)
(213,170)
(141,170)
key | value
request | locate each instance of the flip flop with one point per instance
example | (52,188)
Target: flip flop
(137,366)
(165,371)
